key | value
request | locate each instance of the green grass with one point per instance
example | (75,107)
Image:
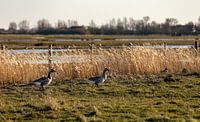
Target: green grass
(20,41)
(141,98)
(107,37)
(60,44)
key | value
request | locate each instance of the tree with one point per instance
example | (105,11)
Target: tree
(140,27)
(72,23)
(61,24)
(132,25)
(120,27)
(43,24)
(112,23)
(169,22)
(146,20)
(93,29)
(23,26)
(198,23)
(112,26)
(190,28)
(198,26)
(12,26)
(154,28)
(92,24)
(173,22)
(125,23)
(105,30)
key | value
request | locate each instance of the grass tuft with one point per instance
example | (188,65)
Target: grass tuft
(81,118)
(51,103)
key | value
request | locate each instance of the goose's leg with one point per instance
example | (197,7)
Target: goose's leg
(42,88)
(97,84)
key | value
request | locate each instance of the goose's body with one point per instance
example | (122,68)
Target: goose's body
(44,81)
(164,71)
(99,79)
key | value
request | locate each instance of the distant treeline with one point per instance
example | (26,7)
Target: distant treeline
(124,26)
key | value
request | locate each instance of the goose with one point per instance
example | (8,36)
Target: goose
(165,71)
(184,71)
(44,81)
(99,79)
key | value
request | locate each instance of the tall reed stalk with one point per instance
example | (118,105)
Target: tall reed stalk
(71,64)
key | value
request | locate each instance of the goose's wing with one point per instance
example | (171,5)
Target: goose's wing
(95,79)
(39,81)
(46,82)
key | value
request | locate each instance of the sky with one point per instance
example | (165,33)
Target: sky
(101,11)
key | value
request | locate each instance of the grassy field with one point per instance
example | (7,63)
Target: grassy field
(151,98)
(40,41)
(80,44)
(135,91)
(106,37)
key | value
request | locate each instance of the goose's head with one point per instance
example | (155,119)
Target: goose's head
(106,70)
(50,73)
(52,70)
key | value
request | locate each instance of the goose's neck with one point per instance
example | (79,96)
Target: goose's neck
(49,75)
(104,74)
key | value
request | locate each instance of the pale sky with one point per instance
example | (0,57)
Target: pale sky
(101,11)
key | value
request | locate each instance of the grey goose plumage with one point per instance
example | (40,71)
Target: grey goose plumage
(44,81)
(99,79)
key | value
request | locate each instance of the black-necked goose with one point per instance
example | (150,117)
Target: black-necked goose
(165,71)
(100,79)
(44,81)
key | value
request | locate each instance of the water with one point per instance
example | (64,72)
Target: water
(168,46)
(61,59)
(23,51)
(79,40)
(43,59)
(160,39)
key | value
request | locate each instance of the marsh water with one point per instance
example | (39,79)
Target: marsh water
(39,58)
(20,51)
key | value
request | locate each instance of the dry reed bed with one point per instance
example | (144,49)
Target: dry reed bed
(21,69)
